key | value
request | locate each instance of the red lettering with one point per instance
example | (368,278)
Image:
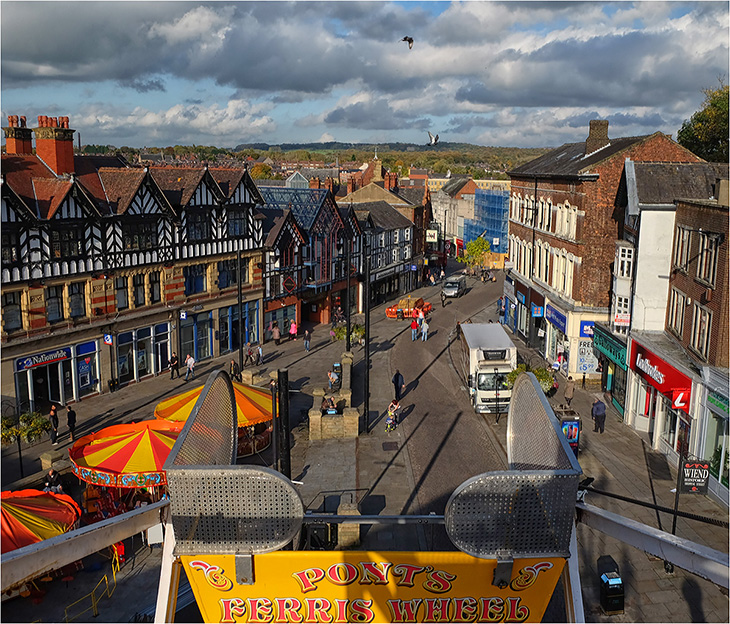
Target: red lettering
(465,609)
(439,581)
(308,578)
(404,610)
(259,610)
(437,610)
(517,612)
(317,610)
(288,610)
(231,607)
(374,572)
(362,611)
(342,573)
(492,609)
(407,574)
(341,606)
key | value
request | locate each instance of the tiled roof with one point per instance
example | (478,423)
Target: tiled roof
(120,186)
(19,173)
(662,183)
(178,184)
(571,159)
(87,173)
(413,194)
(382,215)
(50,193)
(227,179)
(453,187)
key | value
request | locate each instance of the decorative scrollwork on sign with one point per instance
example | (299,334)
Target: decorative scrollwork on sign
(97,288)
(290,284)
(36,299)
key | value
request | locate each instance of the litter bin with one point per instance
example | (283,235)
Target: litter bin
(612,586)
(399,314)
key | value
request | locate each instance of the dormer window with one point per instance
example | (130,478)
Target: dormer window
(198,225)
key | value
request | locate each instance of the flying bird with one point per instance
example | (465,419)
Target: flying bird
(432,139)
(410,42)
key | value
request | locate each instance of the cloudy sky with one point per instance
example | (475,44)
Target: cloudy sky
(491,73)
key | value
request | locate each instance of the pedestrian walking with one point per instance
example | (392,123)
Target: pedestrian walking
(433,280)
(500,303)
(235,371)
(569,390)
(443,275)
(174,366)
(598,412)
(424,330)
(276,333)
(421,317)
(259,355)
(399,384)
(249,355)
(71,422)
(443,299)
(190,365)
(307,340)
(414,329)
(293,331)
(53,417)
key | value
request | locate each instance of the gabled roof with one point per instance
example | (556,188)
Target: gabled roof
(571,159)
(382,215)
(454,186)
(228,180)
(120,186)
(50,194)
(179,184)
(19,173)
(349,218)
(413,194)
(304,203)
(87,170)
(274,221)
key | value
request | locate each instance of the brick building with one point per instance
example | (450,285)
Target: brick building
(563,229)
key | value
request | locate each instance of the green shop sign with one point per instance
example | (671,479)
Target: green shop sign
(717,403)
(613,350)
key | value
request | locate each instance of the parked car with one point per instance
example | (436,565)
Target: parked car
(454,286)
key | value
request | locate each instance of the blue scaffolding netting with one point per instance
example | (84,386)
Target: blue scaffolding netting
(491,215)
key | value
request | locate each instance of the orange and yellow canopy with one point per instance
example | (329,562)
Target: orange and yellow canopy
(130,455)
(253,405)
(30,516)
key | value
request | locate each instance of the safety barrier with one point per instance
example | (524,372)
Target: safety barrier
(93,596)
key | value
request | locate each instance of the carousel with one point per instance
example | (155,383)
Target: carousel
(253,409)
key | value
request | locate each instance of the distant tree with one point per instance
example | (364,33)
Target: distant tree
(260,171)
(706,132)
(475,252)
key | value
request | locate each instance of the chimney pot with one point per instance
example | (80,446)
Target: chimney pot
(597,135)
(22,120)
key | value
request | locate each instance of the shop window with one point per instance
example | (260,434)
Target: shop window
(86,368)
(237,223)
(12,315)
(66,243)
(669,430)
(125,357)
(155,290)
(707,260)
(677,303)
(122,295)
(10,247)
(140,236)
(681,247)
(138,290)
(76,299)
(701,325)
(198,226)
(194,279)
(54,303)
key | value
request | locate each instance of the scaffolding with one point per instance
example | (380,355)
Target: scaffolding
(491,216)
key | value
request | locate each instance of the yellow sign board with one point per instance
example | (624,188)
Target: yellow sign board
(351,586)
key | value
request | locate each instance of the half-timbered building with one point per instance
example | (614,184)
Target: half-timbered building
(107,268)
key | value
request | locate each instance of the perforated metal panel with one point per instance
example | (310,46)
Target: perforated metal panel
(216,506)
(526,511)
(238,509)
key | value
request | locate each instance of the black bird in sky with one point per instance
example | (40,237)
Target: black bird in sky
(432,139)
(409,40)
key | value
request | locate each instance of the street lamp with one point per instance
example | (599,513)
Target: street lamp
(366,403)
(348,329)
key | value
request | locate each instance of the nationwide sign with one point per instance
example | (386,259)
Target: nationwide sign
(665,378)
(351,586)
(40,359)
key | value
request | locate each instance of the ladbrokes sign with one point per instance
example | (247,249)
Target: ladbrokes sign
(349,586)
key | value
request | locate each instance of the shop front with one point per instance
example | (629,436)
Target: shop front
(661,401)
(390,283)
(556,344)
(510,304)
(537,320)
(522,294)
(610,353)
(714,417)
(279,315)
(142,352)
(227,332)
(58,376)
(196,336)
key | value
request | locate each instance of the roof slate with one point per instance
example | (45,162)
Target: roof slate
(662,183)
(178,184)
(382,215)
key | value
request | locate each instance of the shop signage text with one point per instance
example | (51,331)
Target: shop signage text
(41,359)
(664,377)
(556,317)
(536,311)
(695,477)
(521,297)
(586,329)
(621,319)
(108,339)
(350,586)
(607,345)
(718,403)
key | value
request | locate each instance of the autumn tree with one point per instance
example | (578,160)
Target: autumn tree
(260,171)
(475,252)
(706,132)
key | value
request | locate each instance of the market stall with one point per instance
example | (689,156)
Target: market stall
(253,408)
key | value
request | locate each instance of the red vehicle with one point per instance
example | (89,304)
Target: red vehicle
(404,308)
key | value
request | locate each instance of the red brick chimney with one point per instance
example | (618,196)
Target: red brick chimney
(18,138)
(597,135)
(54,143)
(314,183)
(328,184)
(350,185)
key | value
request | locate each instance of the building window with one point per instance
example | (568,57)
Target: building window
(12,316)
(138,290)
(707,261)
(194,279)
(140,236)
(155,290)
(407,234)
(66,243)
(681,247)
(395,236)
(120,286)
(701,324)
(54,303)
(9,246)
(76,299)
(622,309)
(677,302)
(237,223)
(395,256)
(228,272)
(624,261)
(198,226)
